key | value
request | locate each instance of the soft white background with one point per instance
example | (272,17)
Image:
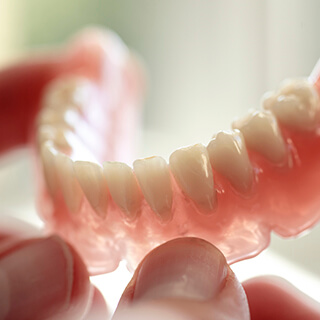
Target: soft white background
(207,61)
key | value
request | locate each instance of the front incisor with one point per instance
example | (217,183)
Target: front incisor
(295,104)
(192,170)
(123,188)
(228,156)
(155,182)
(93,184)
(262,134)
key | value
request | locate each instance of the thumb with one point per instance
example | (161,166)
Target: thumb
(185,278)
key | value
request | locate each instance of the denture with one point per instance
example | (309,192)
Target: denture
(261,176)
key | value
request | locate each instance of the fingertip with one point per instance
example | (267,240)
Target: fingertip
(189,276)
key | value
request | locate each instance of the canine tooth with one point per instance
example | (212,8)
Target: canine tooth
(66,92)
(69,185)
(192,170)
(48,154)
(123,187)
(228,156)
(154,179)
(93,185)
(262,134)
(296,104)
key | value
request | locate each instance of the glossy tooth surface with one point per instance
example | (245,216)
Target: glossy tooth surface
(68,183)
(262,134)
(296,104)
(67,92)
(48,154)
(56,134)
(228,156)
(68,117)
(93,185)
(192,170)
(154,179)
(123,187)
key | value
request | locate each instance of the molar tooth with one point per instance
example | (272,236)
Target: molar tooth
(228,156)
(56,134)
(296,104)
(67,91)
(70,188)
(192,170)
(48,154)
(262,134)
(93,184)
(123,187)
(154,179)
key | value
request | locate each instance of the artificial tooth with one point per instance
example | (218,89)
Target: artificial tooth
(68,117)
(123,187)
(192,170)
(93,185)
(154,179)
(68,183)
(48,154)
(56,134)
(262,134)
(67,91)
(228,156)
(296,104)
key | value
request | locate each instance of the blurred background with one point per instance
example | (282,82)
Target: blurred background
(208,61)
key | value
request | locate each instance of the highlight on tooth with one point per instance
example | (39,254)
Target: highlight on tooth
(93,184)
(68,183)
(155,183)
(228,156)
(262,134)
(123,187)
(296,103)
(67,91)
(48,154)
(192,170)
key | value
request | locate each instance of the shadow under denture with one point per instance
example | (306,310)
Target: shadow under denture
(233,192)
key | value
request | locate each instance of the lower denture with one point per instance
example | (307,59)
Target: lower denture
(85,204)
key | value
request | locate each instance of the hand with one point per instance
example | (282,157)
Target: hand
(186,278)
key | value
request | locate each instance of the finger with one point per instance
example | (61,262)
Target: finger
(185,278)
(273,298)
(98,309)
(43,278)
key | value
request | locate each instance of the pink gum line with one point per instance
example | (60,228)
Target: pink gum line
(284,199)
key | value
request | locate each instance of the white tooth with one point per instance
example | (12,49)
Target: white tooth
(93,184)
(228,156)
(296,104)
(68,117)
(192,170)
(69,185)
(48,154)
(67,91)
(262,134)
(154,179)
(123,187)
(56,134)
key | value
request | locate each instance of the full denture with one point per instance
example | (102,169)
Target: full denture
(260,177)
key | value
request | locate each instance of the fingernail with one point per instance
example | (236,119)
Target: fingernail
(36,279)
(186,268)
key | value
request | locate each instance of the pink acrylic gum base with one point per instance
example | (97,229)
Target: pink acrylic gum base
(284,199)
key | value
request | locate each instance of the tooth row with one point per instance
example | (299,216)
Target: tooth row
(191,167)
(64,101)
